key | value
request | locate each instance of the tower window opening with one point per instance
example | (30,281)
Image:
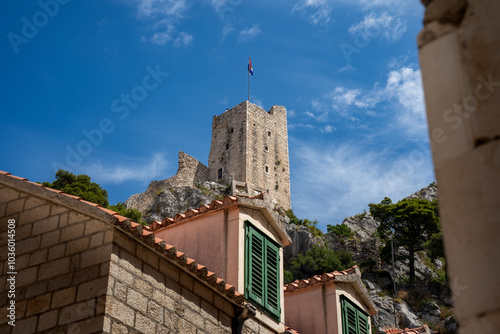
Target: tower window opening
(227,147)
(269,133)
(266,148)
(232,130)
(219,173)
(267,169)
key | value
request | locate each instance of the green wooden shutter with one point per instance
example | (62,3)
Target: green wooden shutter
(255,265)
(262,271)
(354,321)
(363,323)
(272,278)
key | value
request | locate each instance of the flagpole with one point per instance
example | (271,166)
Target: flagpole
(248,73)
(248,86)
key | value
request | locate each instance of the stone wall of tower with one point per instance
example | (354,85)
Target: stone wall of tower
(267,162)
(228,147)
(251,145)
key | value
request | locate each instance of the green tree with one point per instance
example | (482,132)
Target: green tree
(434,246)
(79,185)
(319,260)
(133,214)
(410,222)
(82,186)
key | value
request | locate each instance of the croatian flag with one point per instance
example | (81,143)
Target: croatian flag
(250,69)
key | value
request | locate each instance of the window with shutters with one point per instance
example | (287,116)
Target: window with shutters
(262,271)
(354,320)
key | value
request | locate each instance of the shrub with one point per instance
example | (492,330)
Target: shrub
(133,214)
(319,260)
(340,230)
(311,225)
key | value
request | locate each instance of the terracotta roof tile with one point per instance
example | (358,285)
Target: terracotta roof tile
(160,245)
(304,283)
(214,205)
(84,201)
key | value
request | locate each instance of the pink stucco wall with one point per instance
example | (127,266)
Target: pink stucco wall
(203,239)
(304,310)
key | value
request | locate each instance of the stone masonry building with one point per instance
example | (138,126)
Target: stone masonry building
(250,145)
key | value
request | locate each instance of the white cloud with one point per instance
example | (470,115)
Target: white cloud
(162,16)
(343,99)
(341,180)
(385,26)
(143,171)
(226,30)
(224,7)
(161,38)
(184,39)
(328,129)
(405,87)
(249,33)
(402,96)
(323,117)
(321,10)
(300,125)
(161,9)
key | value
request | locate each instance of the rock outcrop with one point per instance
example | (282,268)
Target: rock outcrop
(302,241)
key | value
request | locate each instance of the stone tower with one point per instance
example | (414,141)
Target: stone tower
(250,150)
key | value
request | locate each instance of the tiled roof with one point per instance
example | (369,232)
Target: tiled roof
(327,277)
(419,330)
(141,232)
(205,208)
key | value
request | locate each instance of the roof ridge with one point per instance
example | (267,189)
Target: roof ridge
(144,234)
(202,209)
(316,279)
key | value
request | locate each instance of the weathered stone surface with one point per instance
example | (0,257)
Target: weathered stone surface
(190,173)
(408,318)
(302,241)
(444,11)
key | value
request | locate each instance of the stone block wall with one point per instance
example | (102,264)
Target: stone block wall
(149,294)
(62,265)
(228,146)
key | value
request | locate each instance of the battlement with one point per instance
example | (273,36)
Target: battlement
(250,145)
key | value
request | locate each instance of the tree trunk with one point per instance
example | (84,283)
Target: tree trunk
(411,250)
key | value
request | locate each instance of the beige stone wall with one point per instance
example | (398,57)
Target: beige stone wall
(62,265)
(460,61)
(252,144)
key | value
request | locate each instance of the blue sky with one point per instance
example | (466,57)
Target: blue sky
(115,88)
